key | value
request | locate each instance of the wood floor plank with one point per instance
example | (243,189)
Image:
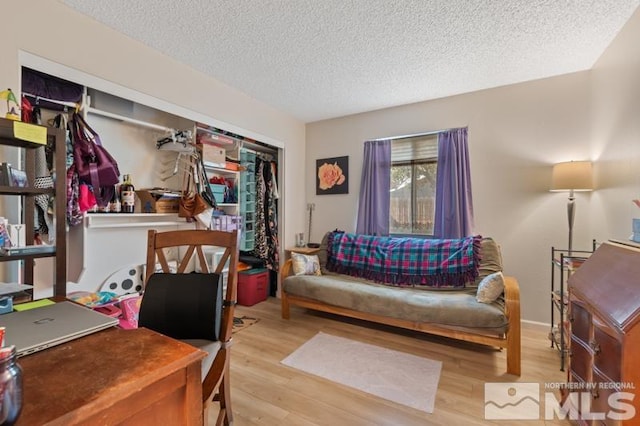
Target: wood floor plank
(249,410)
(266,392)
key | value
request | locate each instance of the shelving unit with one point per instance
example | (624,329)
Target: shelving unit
(246,153)
(26,136)
(230,206)
(233,175)
(247,198)
(225,173)
(563,264)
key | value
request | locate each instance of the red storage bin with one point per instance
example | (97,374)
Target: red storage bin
(253,285)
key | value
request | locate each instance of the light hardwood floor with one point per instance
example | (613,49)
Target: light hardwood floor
(265,392)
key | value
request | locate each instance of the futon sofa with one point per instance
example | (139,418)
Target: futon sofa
(416,302)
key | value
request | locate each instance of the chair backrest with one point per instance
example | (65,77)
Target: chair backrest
(184,244)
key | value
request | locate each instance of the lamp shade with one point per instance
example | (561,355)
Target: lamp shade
(572,175)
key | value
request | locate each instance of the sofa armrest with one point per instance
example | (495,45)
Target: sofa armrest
(285,269)
(512,295)
(512,311)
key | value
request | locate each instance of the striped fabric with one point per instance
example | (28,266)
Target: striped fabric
(438,263)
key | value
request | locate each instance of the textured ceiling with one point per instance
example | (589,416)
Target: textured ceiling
(318,59)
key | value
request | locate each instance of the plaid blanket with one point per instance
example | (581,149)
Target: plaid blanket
(405,261)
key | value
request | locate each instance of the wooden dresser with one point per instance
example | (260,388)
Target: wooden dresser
(604,351)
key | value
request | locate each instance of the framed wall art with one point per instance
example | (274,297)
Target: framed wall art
(332,175)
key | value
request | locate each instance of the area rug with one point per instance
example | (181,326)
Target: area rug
(240,323)
(399,377)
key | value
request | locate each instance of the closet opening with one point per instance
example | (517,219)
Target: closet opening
(129,124)
(258,199)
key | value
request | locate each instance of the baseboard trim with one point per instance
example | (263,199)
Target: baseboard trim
(536,325)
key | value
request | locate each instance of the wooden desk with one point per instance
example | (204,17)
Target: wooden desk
(115,376)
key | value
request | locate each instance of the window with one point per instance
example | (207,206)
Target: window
(414,163)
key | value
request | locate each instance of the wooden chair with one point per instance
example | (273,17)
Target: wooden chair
(182,245)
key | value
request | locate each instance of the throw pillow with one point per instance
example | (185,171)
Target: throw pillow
(305,265)
(490,288)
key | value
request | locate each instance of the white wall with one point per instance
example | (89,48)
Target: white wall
(516,133)
(616,134)
(57,33)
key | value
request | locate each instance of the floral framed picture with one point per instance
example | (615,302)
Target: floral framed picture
(332,176)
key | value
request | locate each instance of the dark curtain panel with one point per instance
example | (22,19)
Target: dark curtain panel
(47,86)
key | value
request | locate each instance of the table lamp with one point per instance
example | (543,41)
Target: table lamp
(311,207)
(571,176)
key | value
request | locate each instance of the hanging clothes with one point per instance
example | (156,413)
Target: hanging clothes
(50,93)
(271,214)
(43,214)
(266,215)
(274,174)
(261,247)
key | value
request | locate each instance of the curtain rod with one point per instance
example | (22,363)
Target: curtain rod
(91,110)
(415,135)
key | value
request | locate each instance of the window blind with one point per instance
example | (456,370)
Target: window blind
(418,148)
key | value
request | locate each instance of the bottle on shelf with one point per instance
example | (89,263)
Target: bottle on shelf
(115,206)
(127,195)
(103,209)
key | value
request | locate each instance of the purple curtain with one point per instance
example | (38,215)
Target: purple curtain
(373,207)
(454,204)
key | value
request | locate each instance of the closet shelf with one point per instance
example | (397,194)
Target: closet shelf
(220,170)
(222,136)
(134,225)
(131,220)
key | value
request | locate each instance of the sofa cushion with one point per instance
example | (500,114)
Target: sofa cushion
(490,260)
(322,253)
(454,308)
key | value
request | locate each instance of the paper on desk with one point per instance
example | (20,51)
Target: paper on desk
(10,288)
(35,304)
